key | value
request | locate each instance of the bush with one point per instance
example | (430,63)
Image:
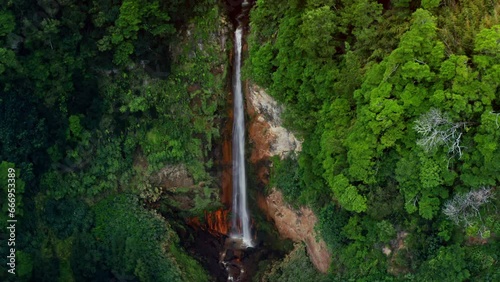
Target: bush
(295,267)
(331,221)
(285,176)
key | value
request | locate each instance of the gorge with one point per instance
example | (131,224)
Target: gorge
(243,238)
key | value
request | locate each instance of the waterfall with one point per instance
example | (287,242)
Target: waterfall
(240,217)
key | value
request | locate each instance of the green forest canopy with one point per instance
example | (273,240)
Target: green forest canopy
(87,89)
(397,103)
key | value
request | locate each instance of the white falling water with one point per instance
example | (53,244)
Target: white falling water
(240,220)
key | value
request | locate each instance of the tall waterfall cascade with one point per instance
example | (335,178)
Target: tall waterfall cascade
(240,217)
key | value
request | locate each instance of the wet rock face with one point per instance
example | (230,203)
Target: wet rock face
(298,226)
(269,138)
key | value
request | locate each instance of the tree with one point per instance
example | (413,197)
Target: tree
(386,231)
(464,209)
(348,195)
(331,220)
(436,130)
(285,176)
(448,265)
(134,241)
(295,267)
(317,30)
(134,17)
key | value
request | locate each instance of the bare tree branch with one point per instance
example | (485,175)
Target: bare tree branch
(463,209)
(436,130)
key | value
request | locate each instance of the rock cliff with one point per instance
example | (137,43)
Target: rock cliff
(266,132)
(269,138)
(298,226)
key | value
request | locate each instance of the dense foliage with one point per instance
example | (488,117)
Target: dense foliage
(95,97)
(294,267)
(397,103)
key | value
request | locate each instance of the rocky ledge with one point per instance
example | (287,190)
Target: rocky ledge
(298,226)
(269,138)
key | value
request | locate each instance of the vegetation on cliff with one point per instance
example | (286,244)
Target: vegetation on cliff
(397,103)
(95,97)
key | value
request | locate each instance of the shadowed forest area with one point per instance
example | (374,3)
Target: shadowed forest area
(94,100)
